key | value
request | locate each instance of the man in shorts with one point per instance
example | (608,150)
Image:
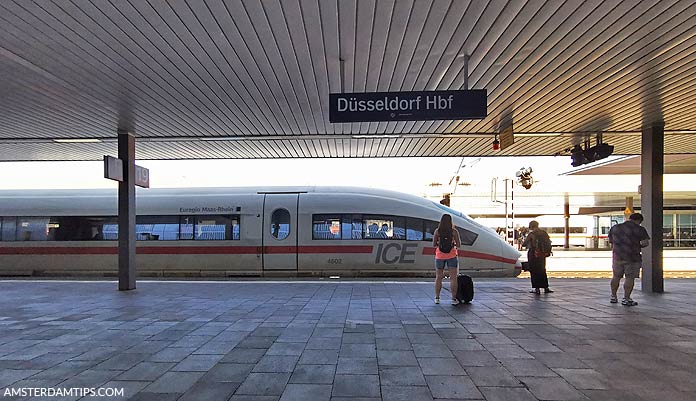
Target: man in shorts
(627,239)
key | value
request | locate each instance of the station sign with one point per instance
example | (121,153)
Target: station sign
(142,177)
(408,106)
(113,170)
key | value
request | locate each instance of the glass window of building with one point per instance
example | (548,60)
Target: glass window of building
(326,226)
(280,224)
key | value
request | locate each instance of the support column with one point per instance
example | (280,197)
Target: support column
(651,204)
(126,213)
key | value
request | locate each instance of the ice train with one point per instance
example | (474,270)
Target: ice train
(228,232)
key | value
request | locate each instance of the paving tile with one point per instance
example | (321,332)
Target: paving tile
(441,366)
(494,376)
(475,358)
(207,391)
(319,357)
(256,342)
(148,396)
(587,379)
(228,372)
(148,371)
(171,354)
(264,384)
(356,386)
(507,394)
(286,349)
(9,376)
(358,350)
(367,366)
(276,363)
(197,363)
(244,355)
(323,343)
(406,393)
(401,376)
(242,397)
(396,358)
(315,374)
(174,382)
(453,387)
(394,344)
(550,388)
(528,367)
(305,392)
(432,351)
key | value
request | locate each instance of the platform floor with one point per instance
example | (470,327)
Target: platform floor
(347,341)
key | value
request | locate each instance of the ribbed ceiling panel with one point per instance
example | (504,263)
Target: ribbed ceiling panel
(176,72)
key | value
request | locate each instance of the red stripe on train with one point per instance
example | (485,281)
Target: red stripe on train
(227,250)
(474,255)
(186,250)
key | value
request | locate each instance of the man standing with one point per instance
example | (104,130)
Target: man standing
(627,238)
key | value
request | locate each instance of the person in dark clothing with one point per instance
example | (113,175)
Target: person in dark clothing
(626,239)
(536,259)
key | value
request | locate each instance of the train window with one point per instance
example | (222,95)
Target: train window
(32,228)
(209,228)
(157,228)
(351,226)
(384,227)
(429,230)
(414,229)
(81,228)
(326,226)
(280,223)
(8,229)
(466,237)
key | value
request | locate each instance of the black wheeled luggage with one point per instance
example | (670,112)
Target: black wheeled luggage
(465,288)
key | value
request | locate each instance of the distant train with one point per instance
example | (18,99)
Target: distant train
(226,232)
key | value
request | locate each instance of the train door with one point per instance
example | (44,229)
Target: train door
(280,232)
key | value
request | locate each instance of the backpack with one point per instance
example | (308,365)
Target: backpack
(446,242)
(543,244)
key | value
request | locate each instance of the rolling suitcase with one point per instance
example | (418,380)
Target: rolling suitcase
(465,288)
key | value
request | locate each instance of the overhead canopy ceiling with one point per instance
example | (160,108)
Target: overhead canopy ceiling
(251,79)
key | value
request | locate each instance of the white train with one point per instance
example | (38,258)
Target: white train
(224,232)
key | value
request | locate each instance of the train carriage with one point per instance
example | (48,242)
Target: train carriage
(224,232)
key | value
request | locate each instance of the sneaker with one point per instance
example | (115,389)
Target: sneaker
(437,300)
(613,299)
(535,291)
(455,301)
(628,302)
(548,291)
